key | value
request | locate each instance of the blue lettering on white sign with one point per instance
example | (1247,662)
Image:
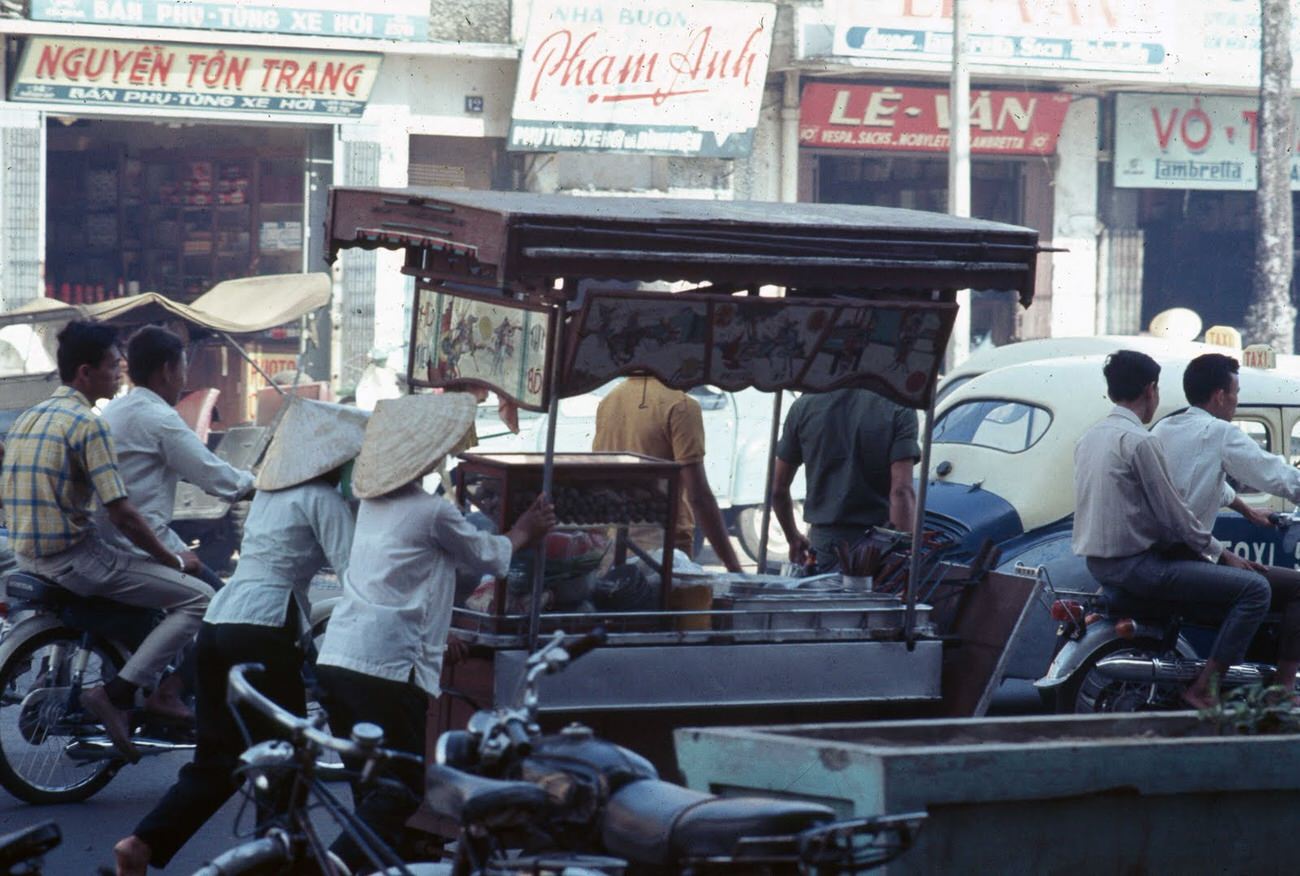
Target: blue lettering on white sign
(331,18)
(84,95)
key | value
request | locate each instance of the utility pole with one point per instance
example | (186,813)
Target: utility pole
(959,167)
(1270,319)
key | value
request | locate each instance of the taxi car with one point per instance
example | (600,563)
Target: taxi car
(1002,468)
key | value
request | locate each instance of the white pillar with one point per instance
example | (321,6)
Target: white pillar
(959,166)
(1074,222)
(790,138)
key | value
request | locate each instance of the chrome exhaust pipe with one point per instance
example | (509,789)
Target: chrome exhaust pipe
(1159,670)
(101,747)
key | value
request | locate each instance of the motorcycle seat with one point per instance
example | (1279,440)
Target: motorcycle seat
(35,589)
(662,824)
(468,798)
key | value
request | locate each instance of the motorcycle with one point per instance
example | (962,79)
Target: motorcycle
(520,795)
(56,644)
(1123,654)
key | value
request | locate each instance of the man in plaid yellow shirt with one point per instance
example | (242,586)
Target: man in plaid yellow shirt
(59,460)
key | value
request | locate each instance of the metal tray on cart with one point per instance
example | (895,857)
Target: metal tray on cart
(776,603)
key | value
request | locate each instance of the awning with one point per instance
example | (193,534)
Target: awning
(243,306)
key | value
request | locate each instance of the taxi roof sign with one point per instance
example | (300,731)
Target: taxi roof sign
(1223,336)
(1259,356)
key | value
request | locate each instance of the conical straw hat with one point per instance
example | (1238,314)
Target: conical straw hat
(313,438)
(407,437)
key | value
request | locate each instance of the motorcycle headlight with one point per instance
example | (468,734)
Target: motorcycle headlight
(456,748)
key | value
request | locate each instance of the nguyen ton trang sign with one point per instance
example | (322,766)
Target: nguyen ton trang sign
(905,119)
(644,76)
(187,77)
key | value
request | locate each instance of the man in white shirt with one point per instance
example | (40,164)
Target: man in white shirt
(1138,535)
(1209,449)
(155,447)
(383,651)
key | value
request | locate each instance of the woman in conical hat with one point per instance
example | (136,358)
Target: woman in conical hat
(298,523)
(383,652)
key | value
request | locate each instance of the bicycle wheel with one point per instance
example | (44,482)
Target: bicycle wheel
(37,726)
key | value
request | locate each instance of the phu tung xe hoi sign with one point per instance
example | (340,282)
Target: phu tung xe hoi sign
(189,77)
(642,76)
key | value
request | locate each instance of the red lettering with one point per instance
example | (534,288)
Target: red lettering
(47,65)
(269,65)
(288,69)
(1164,132)
(235,71)
(329,77)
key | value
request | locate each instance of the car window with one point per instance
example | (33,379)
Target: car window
(1258,430)
(1000,424)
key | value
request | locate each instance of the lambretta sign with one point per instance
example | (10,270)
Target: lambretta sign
(668,77)
(191,77)
(891,118)
(1184,141)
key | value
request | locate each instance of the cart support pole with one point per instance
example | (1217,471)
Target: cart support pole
(249,359)
(767,487)
(548,476)
(918,531)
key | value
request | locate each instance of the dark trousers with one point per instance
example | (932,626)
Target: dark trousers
(1207,592)
(206,783)
(1285,584)
(401,709)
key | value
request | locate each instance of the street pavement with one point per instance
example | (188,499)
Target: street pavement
(91,828)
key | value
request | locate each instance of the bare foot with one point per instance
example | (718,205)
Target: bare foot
(1198,700)
(132,856)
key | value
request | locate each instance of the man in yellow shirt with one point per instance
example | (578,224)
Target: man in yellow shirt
(641,415)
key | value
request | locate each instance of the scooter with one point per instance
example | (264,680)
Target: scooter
(55,645)
(1124,654)
(572,799)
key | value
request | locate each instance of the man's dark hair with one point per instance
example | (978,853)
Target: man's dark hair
(1128,374)
(1207,374)
(83,343)
(150,349)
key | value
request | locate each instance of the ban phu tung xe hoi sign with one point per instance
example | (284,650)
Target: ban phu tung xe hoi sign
(892,347)
(675,77)
(465,340)
(188,77)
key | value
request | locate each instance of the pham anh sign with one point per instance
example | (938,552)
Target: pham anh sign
(188,77)
(669,77)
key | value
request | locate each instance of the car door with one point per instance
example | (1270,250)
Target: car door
(1256,543)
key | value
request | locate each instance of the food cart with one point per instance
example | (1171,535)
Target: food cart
(543,297)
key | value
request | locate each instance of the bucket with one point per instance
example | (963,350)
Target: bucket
(693,596)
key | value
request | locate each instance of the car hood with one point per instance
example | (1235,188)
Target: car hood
(969,514)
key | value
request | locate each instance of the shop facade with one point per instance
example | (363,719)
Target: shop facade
(165,152)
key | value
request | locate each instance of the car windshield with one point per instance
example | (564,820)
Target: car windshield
(1000,424)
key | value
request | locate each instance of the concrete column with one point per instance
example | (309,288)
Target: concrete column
(790,138)
(1074,222)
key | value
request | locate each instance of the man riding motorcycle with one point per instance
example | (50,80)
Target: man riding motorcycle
(1139,537)
(59,460)
(1209,450)
(155,447)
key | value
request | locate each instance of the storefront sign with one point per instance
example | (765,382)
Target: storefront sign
(908,119)
(189,77)
(668,77)
(1180,141)
(1049,35)
(390,20)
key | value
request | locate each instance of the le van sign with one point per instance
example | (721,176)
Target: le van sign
(188,77)
(390,20)
(678,77)
(900,119)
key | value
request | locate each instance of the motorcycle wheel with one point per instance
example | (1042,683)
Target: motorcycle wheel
(1090,692)
(36,724)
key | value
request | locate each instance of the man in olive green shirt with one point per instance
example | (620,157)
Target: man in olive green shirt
(859,449)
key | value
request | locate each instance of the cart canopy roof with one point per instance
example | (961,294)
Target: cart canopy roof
(522,241)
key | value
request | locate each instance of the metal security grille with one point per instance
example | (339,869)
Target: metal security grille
(1121,258)
(20,214)
(360,168)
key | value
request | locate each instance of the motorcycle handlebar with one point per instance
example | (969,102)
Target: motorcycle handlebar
(587,643)
(240,691)
(520,741)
